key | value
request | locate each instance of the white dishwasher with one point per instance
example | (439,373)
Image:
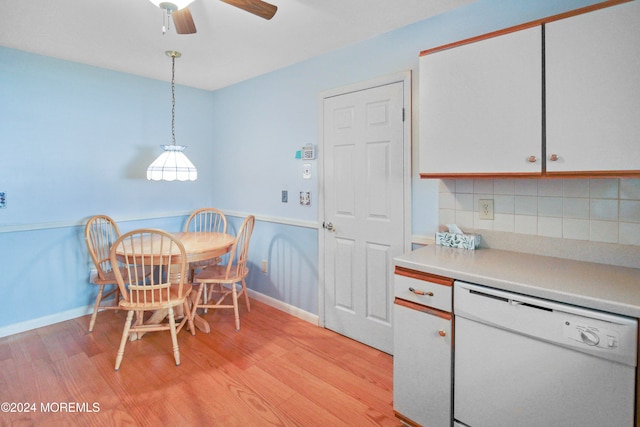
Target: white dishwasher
(523,361)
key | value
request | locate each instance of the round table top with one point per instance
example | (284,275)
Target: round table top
(198,245)
(205,245)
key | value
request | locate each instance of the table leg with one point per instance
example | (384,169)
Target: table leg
(201,324)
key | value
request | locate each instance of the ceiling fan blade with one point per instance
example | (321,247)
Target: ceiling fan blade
(183,21)
(257,7)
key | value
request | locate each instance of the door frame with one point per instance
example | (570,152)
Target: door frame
(405,78)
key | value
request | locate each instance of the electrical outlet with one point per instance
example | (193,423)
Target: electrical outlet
(265,266)
(485,208)
(305,198)
(285,196)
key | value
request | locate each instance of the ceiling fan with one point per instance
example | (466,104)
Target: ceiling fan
(183,21)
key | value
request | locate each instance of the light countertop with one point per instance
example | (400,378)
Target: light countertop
(598,286)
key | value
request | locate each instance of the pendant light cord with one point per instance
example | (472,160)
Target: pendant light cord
(173,98)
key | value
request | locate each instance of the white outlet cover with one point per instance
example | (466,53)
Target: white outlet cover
(306,171)
(485,208)
(305,198)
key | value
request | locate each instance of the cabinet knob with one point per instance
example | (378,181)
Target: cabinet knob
(532,159)
(442,333)
(553,157)
(417,292)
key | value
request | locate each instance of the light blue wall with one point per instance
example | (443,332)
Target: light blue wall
(261,122)
(75,141)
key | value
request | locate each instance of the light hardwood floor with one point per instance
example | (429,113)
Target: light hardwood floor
(278,370)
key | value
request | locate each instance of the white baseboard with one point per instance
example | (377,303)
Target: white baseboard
(28,325)
(283,306)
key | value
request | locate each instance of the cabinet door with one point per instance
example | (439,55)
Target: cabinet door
(481,107)
(422,367)
(593,91)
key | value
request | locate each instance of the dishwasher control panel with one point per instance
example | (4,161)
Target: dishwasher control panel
(590,334)
(600,334)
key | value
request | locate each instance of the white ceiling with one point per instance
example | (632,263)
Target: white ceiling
(230,45)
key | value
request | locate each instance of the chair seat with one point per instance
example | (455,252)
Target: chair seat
(109,277)
(175,299)
(217,274)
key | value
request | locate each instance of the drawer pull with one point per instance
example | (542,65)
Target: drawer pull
(429,294)
(442,333)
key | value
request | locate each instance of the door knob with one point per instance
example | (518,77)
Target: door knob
(328,226)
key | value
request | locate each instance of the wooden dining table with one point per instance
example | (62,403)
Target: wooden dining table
(199,246)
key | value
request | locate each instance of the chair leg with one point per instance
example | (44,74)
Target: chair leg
(174,337)
(117,294)
(139,318)
(246,295)
(195,304)
(204,297)
(188,318)
(123,340)
(234,295)
(92,322)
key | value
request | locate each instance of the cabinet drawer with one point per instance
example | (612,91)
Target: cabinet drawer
(413,287)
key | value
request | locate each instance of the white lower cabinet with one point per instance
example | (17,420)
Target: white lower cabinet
(422,386)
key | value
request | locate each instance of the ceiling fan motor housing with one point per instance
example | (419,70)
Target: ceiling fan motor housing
(172,5)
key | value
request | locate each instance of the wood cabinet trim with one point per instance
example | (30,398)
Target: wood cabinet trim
(406,420)
(480,175)
(421,275)
(526,25)
(422,308)
(547,174)
(592,174)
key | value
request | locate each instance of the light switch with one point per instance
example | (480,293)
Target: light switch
(306,171)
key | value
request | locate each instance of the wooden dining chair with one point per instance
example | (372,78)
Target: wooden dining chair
(100,233)
(158,256)
(225,279)
(210,220)
(207,219)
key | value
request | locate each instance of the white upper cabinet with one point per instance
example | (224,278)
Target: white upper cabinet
(593,91)
(481,107)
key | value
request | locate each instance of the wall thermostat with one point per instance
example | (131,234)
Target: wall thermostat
(308,152)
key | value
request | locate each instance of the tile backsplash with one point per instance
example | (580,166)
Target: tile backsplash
(598,210)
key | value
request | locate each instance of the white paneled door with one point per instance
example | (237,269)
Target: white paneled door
(364,173)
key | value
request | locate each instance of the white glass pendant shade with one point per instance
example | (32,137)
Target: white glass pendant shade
(172,165)
(179,4)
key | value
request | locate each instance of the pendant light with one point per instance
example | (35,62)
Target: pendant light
(172,164)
